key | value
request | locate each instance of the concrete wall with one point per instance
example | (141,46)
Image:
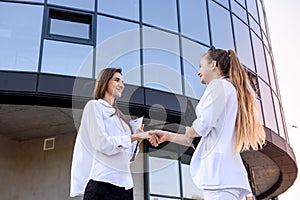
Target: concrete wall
(28,172)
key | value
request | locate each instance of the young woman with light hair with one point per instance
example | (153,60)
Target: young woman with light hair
(228,124)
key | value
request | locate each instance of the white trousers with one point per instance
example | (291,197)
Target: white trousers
(224,194)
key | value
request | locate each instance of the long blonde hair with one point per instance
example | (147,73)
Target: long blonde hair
(250,134)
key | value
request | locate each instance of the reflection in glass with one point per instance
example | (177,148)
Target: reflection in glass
(193,18)
(123,8)
(220,26)
(242,2)
(260,58)
(192,53)
(154,9)
(67,59)
(243,43)
(239,11)
(161,59)
(268,107)
(190,190)
(80,4)
(162,71)
(261,16)
(164,176)
(252,9)
(118,44)
(37,1)
(68,28)
(255,26)
(223,2)
(279,117)
(19,39)
(271,72)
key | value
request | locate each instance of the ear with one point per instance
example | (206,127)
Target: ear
(213,65)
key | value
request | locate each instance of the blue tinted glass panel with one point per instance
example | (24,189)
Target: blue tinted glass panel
(161,167)
(160,13)
(37,1)
(243,43)
(271,72)
(261,16)
(220,27)
(68,28)
(80,4)
(238,10)
(193,16)
(118,44)
(268,106)
(254,25)
(190,190)
(161,60)
(260,58)
(192,53)
(242,2)
(223,2)
(252,9)
(20,36)
(123,8)
(67,59)
(279,116)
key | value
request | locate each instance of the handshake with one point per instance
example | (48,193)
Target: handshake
(156,137)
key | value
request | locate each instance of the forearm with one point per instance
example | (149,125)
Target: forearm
(178,138)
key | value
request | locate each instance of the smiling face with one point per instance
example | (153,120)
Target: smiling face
(207,71)
(115,86)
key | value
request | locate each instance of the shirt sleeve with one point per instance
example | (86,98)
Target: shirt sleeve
(98,136)
(211,108)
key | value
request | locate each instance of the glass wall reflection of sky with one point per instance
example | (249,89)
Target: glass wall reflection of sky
(20,36)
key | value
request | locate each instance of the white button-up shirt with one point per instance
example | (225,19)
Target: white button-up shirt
(102,149)
(214,164)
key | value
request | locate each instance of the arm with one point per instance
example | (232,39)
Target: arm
(182,139)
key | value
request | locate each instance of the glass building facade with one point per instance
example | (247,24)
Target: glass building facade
(52,50)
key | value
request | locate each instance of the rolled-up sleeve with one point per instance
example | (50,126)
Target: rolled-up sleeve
(100,139)
(210,109)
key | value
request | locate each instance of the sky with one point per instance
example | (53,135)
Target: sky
(283,22)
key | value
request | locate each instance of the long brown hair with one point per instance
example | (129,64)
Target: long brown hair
(250,134)
(101,86)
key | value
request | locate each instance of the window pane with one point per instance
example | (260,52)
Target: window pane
(192,53)
(160,198)
(161,60)
(260,58)
(153,10)
(239,11)
(255,27)
(193,16)
(261,16)
(252,9)
(190,190)
(80,4)
(223,2)
(20,36)
(220,23)
(68,28)
(37,1)
(242,2)
(118,44)
(122,8)
(164,176)
(243,43)
(279,116)
(271,72)
(268,106)
(67,59)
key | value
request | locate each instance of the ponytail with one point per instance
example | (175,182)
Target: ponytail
(250,134)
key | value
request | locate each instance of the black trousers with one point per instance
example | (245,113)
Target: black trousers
(96,190)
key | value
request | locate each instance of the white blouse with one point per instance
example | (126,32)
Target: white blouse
(214,164)
(102,149)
